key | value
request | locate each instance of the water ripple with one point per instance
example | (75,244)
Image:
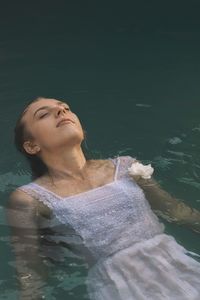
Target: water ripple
(189,181)
(10,179)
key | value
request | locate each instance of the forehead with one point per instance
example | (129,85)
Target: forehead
(31,108)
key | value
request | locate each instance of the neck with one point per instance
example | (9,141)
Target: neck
(66,164)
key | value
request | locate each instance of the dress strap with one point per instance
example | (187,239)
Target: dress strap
(29,190)
(116,162)
(123,163)
(117,168)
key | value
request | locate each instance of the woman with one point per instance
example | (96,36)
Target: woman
(97,207)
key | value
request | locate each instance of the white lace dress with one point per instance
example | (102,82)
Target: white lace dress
(115,230)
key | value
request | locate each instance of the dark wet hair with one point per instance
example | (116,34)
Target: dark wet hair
(21,134)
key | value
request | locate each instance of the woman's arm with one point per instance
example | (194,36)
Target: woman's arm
(168,207)
(22,220)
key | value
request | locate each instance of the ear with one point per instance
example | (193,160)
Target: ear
(31,147)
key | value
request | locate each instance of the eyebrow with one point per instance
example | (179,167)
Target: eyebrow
(41,108)
(47,107)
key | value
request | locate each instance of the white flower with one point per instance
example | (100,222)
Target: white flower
(138,169)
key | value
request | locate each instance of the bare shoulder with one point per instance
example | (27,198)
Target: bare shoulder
(103,170)
(102,164)
(19,198)
(21,212)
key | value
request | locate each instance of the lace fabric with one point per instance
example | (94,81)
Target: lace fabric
(114,228)
(118,208)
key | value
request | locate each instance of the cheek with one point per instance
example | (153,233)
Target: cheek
(77,120)
(41,131)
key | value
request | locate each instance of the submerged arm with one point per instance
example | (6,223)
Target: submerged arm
(168,207)
(21,216)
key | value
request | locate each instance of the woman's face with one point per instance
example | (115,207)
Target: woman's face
(51,124)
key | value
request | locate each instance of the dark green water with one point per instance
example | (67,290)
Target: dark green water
(130,71)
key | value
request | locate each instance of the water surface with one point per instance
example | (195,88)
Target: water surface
(131,73)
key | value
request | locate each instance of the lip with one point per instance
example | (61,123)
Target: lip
(64,121)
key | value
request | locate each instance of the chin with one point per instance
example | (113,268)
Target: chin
(74,139)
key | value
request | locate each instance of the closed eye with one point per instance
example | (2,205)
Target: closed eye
(43,115)
(67,108)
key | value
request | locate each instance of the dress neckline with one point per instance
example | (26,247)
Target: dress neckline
(85,192)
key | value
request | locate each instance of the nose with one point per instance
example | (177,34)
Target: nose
(59,110)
